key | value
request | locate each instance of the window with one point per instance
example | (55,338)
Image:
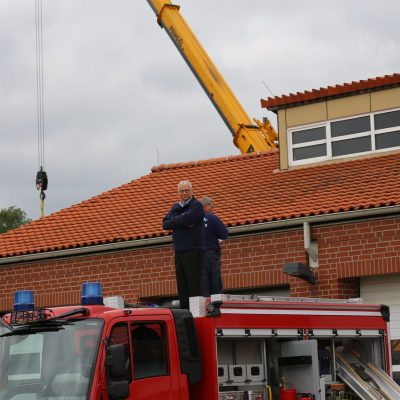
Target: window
(350,126)
(149,350)
(309,143)
(387,120)
(25,359)
(45,363)
(387,126)
(343,138)
(120,335)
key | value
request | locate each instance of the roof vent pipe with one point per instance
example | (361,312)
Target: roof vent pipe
(310,246)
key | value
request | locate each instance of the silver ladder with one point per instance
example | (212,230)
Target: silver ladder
(256,298)
(366,379)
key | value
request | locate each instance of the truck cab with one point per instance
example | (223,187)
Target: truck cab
(97,352)
(158,348)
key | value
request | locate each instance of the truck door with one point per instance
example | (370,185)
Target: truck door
(149,366)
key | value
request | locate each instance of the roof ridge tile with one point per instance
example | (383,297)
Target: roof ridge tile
(210,161)
(360,86)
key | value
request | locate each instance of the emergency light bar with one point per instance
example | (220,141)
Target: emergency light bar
(24,308)
(23,300)
(92,293)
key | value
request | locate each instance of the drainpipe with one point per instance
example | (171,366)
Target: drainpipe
(310,246)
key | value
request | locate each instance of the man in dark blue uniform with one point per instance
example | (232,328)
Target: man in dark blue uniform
(215,233)
(185,219)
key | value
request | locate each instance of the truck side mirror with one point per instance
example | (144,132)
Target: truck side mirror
(117,385)
(115,362)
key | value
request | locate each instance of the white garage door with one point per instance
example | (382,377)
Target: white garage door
(386,290)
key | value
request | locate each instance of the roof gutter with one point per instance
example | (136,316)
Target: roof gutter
(235,230)
(316,219)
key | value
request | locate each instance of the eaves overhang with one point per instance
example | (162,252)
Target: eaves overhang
(233,231)
(276,103)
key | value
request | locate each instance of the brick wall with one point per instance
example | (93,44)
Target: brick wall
(346,251)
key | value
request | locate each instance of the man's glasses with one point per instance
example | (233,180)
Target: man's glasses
(184,190)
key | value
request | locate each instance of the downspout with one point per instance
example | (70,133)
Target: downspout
(310,246)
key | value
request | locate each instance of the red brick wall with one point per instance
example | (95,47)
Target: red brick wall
(346,251)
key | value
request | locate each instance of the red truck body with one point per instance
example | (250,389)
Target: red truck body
(233,348)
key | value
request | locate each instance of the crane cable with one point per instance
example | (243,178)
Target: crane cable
(41,176)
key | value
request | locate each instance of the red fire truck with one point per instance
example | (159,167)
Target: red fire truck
(226,348)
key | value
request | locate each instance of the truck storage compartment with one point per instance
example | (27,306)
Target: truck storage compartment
(267,348)
(319,367)
(241,368)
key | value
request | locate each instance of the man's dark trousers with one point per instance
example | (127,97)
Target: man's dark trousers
(188,266)
(212,282)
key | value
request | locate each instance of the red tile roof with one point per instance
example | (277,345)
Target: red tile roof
(247,189)
(346,89)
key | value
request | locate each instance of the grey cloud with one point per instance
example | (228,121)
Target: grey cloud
(118,95)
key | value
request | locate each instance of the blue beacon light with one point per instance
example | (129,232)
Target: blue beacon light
(92,293)
(23,300)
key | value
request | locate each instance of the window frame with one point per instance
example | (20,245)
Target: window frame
(329,140)
(128,344)
(163,329)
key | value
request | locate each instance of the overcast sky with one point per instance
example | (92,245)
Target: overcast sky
(119,99)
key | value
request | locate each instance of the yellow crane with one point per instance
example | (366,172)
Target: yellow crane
(248,135)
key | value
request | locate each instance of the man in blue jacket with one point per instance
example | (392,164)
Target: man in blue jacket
(185,219)
(215,233)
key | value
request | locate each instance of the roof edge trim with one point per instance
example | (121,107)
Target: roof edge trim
(81,251)
(331,92)
(316,219)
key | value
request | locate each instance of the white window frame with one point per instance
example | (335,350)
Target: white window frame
(372,133)
(308,144)
(385,130)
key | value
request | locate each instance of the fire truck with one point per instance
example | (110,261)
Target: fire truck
(226,347)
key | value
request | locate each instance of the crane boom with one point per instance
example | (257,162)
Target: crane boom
(248,135)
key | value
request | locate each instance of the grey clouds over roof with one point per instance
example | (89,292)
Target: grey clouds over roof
(119,99)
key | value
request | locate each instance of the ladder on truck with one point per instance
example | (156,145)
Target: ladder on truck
(282,299)
(365,377)
(202,305)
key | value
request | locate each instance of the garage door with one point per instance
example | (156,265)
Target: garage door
(385,290)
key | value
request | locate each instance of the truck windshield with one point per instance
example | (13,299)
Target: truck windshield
(48,361)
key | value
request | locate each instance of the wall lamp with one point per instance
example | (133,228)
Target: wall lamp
(299,270)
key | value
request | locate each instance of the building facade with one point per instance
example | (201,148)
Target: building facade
(328,199)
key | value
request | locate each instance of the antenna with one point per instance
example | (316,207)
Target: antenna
(269,90)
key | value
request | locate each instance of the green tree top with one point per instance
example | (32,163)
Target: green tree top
(12,217)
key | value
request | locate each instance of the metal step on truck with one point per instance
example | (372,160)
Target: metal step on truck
(225,348)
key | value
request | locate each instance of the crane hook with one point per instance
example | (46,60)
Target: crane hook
(41,184)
